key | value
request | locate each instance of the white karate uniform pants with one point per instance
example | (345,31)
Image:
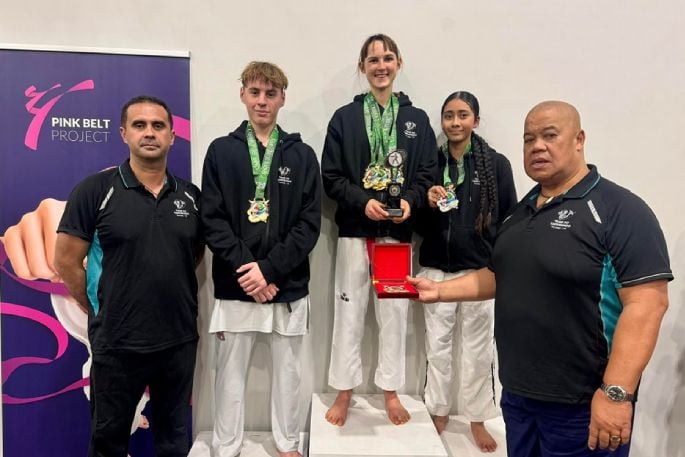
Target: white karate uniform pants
(352,283)
(476,339)
(232,363)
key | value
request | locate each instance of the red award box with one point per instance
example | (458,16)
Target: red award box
(390,265)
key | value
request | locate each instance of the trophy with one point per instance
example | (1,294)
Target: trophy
(395,160)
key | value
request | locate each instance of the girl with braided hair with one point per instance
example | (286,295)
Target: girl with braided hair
(474,191)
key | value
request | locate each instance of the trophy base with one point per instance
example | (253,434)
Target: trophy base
(394,212)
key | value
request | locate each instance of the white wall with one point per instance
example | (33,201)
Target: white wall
(620,62)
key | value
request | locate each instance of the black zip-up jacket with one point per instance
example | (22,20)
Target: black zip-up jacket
(450,241)
(346,155)
(280,246)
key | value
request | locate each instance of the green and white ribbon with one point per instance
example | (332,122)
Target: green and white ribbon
(447,181)
(380,129)
(259,208)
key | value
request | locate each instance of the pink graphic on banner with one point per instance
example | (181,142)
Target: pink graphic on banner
(10,365)
(39,114)
(59,105)
(182,127)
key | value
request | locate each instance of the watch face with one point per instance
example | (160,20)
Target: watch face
(616,393)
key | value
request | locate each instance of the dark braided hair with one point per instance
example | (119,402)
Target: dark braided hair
(482,155)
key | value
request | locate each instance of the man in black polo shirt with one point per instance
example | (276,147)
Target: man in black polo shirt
(139,228)
(579,273)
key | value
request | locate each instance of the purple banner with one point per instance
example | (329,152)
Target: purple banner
(59,122)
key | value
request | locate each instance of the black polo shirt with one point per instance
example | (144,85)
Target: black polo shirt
(558,269)
(141,263)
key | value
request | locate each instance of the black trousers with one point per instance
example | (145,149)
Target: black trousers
(117,381)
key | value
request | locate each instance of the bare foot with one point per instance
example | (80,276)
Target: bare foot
(483,439)
(440,423)
(396,412)
(337,414)
(288,454)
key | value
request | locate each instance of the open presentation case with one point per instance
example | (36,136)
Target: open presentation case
(390,265)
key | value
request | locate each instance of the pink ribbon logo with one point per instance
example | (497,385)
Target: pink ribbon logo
(40,113)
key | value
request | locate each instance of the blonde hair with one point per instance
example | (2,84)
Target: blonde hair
(264,71)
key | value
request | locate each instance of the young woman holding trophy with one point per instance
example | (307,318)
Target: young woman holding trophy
(377,143)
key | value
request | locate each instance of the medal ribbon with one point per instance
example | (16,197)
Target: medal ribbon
(260,171)
(380,130)
(460,166)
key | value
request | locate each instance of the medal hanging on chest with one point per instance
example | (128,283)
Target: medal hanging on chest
(258,211)
(376,177)
(382,135)
(450,201)
(259,207)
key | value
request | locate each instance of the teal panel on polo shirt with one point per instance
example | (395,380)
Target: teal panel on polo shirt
(93,272)
(610,305)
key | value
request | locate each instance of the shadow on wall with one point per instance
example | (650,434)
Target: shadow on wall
(675,421)
(203,392)
(675,445)
(660,415)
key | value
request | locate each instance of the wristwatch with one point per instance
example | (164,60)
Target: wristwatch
(616,393)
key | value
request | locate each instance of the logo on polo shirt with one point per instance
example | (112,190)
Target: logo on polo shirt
(562,221)
(409,127)
(283,173)
(180,208)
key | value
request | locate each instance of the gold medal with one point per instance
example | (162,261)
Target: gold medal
(382,178)
(376,177)
(369,176)
(394,289)
(258,211)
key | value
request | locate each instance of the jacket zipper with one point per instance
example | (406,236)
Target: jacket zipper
(449,237)
(268,220)
(449,222)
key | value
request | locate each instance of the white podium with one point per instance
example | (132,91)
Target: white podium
(459,443)
(368,431)
(255,444)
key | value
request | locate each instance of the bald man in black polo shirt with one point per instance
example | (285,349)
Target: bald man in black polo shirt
(139,228)
(579,272)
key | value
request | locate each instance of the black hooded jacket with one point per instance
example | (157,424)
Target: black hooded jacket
(347,154)
(280,246)
(450,241)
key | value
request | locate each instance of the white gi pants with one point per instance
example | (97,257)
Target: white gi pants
(232,362)
(352,284)
(476,339)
